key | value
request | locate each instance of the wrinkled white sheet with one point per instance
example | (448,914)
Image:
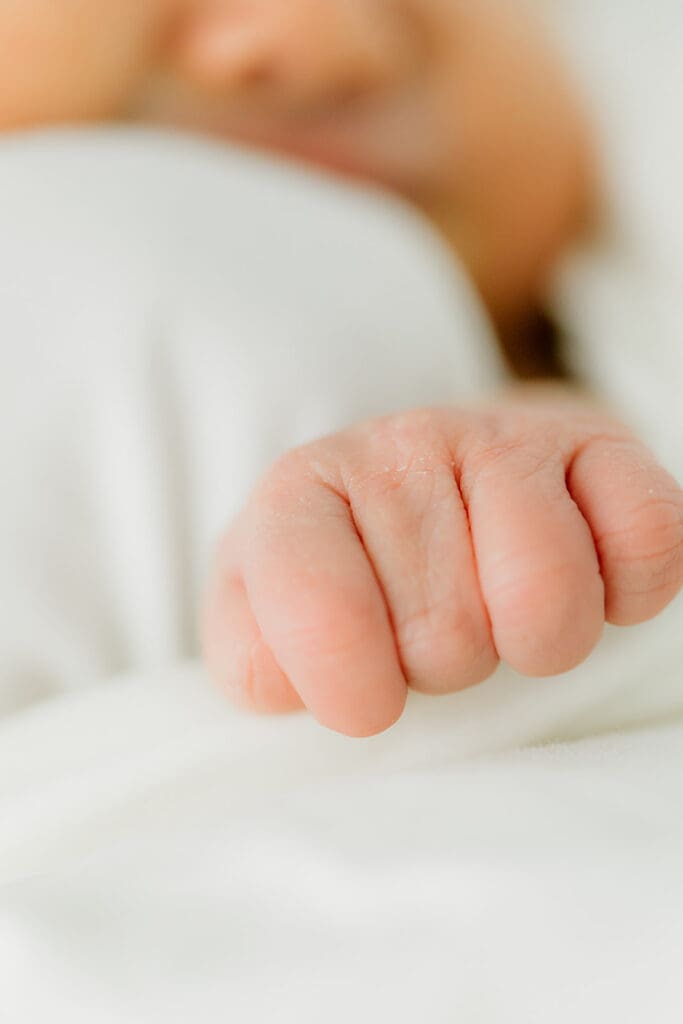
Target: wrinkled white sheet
(173,860)
(163,857)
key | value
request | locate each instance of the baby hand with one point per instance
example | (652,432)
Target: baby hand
(420,549)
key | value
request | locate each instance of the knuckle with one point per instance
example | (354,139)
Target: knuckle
(301,486)
(282,476)
(444,649)
(525,582)
(396,451)
(330,627)
(650,546)
(519,457)
(547,621)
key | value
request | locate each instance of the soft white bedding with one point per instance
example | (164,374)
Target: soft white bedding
(164,858)
(175,861)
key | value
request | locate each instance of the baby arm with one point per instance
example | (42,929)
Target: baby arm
(419,550)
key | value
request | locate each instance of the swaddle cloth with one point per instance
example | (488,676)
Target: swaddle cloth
(173,315)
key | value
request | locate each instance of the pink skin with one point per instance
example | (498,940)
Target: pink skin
(420,549)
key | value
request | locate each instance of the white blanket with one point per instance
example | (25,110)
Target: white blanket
(163,857)
(174,860)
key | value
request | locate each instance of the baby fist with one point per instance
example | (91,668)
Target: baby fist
(420,549)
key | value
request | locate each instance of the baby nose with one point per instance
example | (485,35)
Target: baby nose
(299,51)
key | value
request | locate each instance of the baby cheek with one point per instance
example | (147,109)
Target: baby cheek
(64,60)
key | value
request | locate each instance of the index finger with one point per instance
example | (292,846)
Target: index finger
(318,603)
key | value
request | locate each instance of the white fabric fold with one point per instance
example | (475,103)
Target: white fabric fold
(164,857)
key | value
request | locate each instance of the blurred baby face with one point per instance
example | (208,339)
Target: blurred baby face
(456,103)
(73,59)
